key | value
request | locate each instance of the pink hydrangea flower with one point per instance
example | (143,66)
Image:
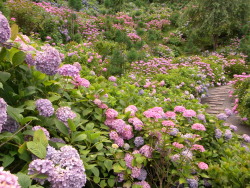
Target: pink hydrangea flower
(112,79)
(178,145)
(198,147)
(168,123)
(179,109)
(189,113)
(199,127)
(111,113)
(202,165)
(170,114)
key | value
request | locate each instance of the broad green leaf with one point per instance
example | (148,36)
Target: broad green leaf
(111,182)
(4,76)
(108,164)
(87,111)
(61,127)
(54,97)
(95,171)
(7,160)
(99,146)
(18,58)
(117,168)
(40,137)
(97,179)
(72,125)
(14,31)
(37,149)
(24,180)
(79,137)
(15,113)
(103,183)
(3,54)
(127,184)
(27,119)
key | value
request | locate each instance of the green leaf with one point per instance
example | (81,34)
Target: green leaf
(103,183)
(182,180)
(99,146)
(54,97)
(139,160)
(14,31)
(127,184)
(95,171)
(27,119)
(61,127)
(36,186)
(7,160)
(37,149)
(117,168)
(79,137)
(15,113)
(4,76)
(18,58)
(72,125)
(24,180)
(97,179)
(87,111)
(108,164)
(90,126)
(40,137)
(111,182)
(3,54)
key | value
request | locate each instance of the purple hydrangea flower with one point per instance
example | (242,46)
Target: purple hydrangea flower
(228,134)
(45,108)
(65,113)
(57,140)
(222,116)
(68,70)
(41,167)
(144,184)
(228,112)
(146,150)
(174,132)
(112,79)
(120,177)
(3,113)
(143,175)
(128,159)
(218,133)
(201,117)
(30,60)
(8,180)
(139,141)
(4,29)
(135,172)
(10,125)
(193,183)
(233,127)
(246,138)
(48,61)
(187,154)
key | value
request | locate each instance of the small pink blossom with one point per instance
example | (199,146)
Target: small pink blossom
(198,147)
(178,145)
(168,123)
(199,127)
(202,165)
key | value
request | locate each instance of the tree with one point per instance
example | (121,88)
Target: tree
(75,4)
(215,18)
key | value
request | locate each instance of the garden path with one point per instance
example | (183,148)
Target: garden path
(218,100)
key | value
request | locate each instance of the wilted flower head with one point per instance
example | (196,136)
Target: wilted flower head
(68,70)
(45,108)
(4,29)
(48,61)
(8,180)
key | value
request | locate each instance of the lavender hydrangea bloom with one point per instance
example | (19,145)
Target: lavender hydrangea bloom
(45,108)
(69,170)
(3,113)
(8,180)
(139,141)
(65,113)
(68,70)
(10,125)
(174,132)
(228,134)
(143,175)
(4,29)
(246,138)
(218,133)
(144,184)
(48,61)
(233,127)
(187,154)
(30,60)
(42,167)
(201,117)
(59,140)
(222,116)
(192,183)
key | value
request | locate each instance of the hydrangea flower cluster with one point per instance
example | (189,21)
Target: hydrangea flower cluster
(179,109)
(65,113)
(137,123)
(112,79)
(139,141)
(132,109)
(168,123)
(3,113)
(218,133)
(170,115)
(146,150)
(156,113)
(222,116)
(111,113)
(48,61)
(45,108)
(144,184)
(199,127)
(198,147)
(68,70)
(46,132)
(78,81)
(10,125)
(202,165)
(63,167)
(228,134)
(8,180)
(189,113)
(4,29)
(246,138)
(193,183)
